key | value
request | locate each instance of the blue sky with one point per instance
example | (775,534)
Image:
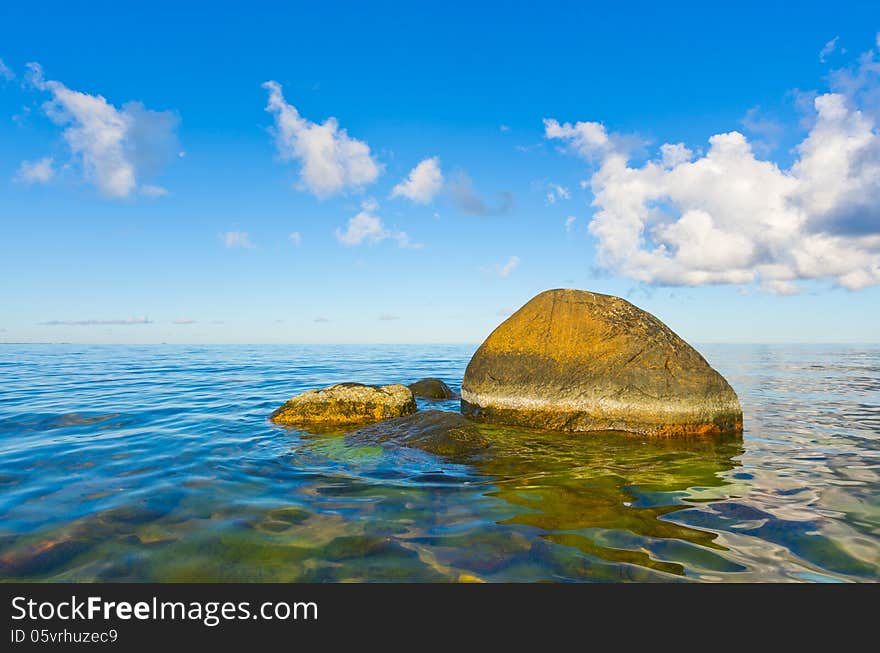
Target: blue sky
(166,212)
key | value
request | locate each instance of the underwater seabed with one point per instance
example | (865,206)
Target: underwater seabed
(199,486)
(534,506)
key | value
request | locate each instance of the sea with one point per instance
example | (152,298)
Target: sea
(158,463)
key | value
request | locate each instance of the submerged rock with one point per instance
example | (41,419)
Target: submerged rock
(435,431)
(572,360)
(41,557)
(432,389)
(346,404)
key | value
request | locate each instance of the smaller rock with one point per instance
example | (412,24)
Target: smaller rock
(435,431)
(346,404)
(433,389)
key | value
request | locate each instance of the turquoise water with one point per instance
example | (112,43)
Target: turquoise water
(157,463)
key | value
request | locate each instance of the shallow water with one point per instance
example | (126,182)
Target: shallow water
(157,463)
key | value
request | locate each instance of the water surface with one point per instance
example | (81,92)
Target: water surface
(157,463)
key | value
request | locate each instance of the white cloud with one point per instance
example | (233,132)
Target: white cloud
(673,154)
(569,223)
(728,217)
(296,238)
(36,172)
(504,128)
(115,147)
(6,72)
(860,83)
(126,322)
(588,139)
(404,242)
(367,227)
(423,183)
(828,49)
(184,320)
(321,319)
(363,227)
(505,270)
(330,160)
(240,239)
(557,192)
(388,317)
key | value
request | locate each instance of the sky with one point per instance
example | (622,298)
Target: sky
(415,172)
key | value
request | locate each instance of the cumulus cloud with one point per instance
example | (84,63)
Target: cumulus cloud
(505,270)
(557,192)
(36,172)
(237,239)
(126,322)
(729,217)
(114,147)
(589,140)
(367,227)
(423,182)
(6,72)
(331,161)
(466,199)
(828,49)
(296,238)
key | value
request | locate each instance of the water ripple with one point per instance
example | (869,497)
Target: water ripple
(158,463)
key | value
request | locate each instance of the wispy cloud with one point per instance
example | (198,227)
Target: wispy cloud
(296,238)
(388,317)
(183,320)
(423,182)
(35,172)
(125,322)
(766,131)
(466,199)
(148,190)
(557,192)
(6,72)
(114,147)
(237,239)
(512,264)
(321,319)
(828,49)
(569,223)
(331,161)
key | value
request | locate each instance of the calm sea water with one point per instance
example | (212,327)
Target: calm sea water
(157,463)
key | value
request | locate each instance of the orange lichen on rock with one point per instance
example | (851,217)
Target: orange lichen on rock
(572,360)
(346,404)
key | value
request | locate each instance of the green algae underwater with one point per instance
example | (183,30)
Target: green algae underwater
(196,485)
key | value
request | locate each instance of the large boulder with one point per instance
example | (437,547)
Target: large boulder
(346,404)
(435,431)
(431,388)
(571,360)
